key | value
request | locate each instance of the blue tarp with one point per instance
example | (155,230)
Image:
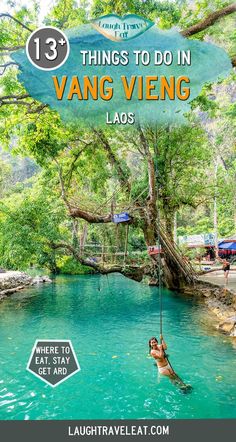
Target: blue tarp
(227,245)
(121,217)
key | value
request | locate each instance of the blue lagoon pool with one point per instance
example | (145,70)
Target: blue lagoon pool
(109,321)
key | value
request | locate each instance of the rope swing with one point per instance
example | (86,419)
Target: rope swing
(174,378)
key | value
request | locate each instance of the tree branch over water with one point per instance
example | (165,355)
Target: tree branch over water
(133,272)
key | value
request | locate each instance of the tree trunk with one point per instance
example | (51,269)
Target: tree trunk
(175,227)
(169,222)
(215,209)
(83,238)
(175,271)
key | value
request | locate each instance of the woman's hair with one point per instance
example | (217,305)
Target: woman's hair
(149,342)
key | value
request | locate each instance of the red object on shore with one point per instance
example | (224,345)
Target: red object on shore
(153,250)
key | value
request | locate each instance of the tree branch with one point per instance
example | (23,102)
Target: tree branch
(6,65)
(151,168)
(209,20)
(114,161)
(94,218)
(63,192)
(10,49)
(73,164)
(15,97)
(15,100)
(6,15)
(23,103)
(76,212)
(19,100)
(37,109)
(132,272)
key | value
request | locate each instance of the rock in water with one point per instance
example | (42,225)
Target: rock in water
(41,279)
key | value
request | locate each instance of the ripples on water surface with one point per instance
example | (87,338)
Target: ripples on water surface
(109,321)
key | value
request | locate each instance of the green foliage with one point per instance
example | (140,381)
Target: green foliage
(66,14)
(42,137)
(29,222)
(32,214)
(166,13)
(5,176)
(70,266)
(11,33)
(183,162)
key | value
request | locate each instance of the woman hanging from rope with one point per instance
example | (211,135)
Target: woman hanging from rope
(158,353)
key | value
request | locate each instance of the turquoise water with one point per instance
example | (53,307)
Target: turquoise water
(109,322)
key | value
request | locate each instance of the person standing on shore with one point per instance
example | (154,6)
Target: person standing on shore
(226,269)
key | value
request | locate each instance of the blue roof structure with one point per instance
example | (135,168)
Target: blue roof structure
(227,245)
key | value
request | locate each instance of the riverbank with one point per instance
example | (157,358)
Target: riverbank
(219,298)
(14,281)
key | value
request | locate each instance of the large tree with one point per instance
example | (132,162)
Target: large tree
(153,171)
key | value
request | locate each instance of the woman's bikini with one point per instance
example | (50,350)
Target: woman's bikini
(162,368)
